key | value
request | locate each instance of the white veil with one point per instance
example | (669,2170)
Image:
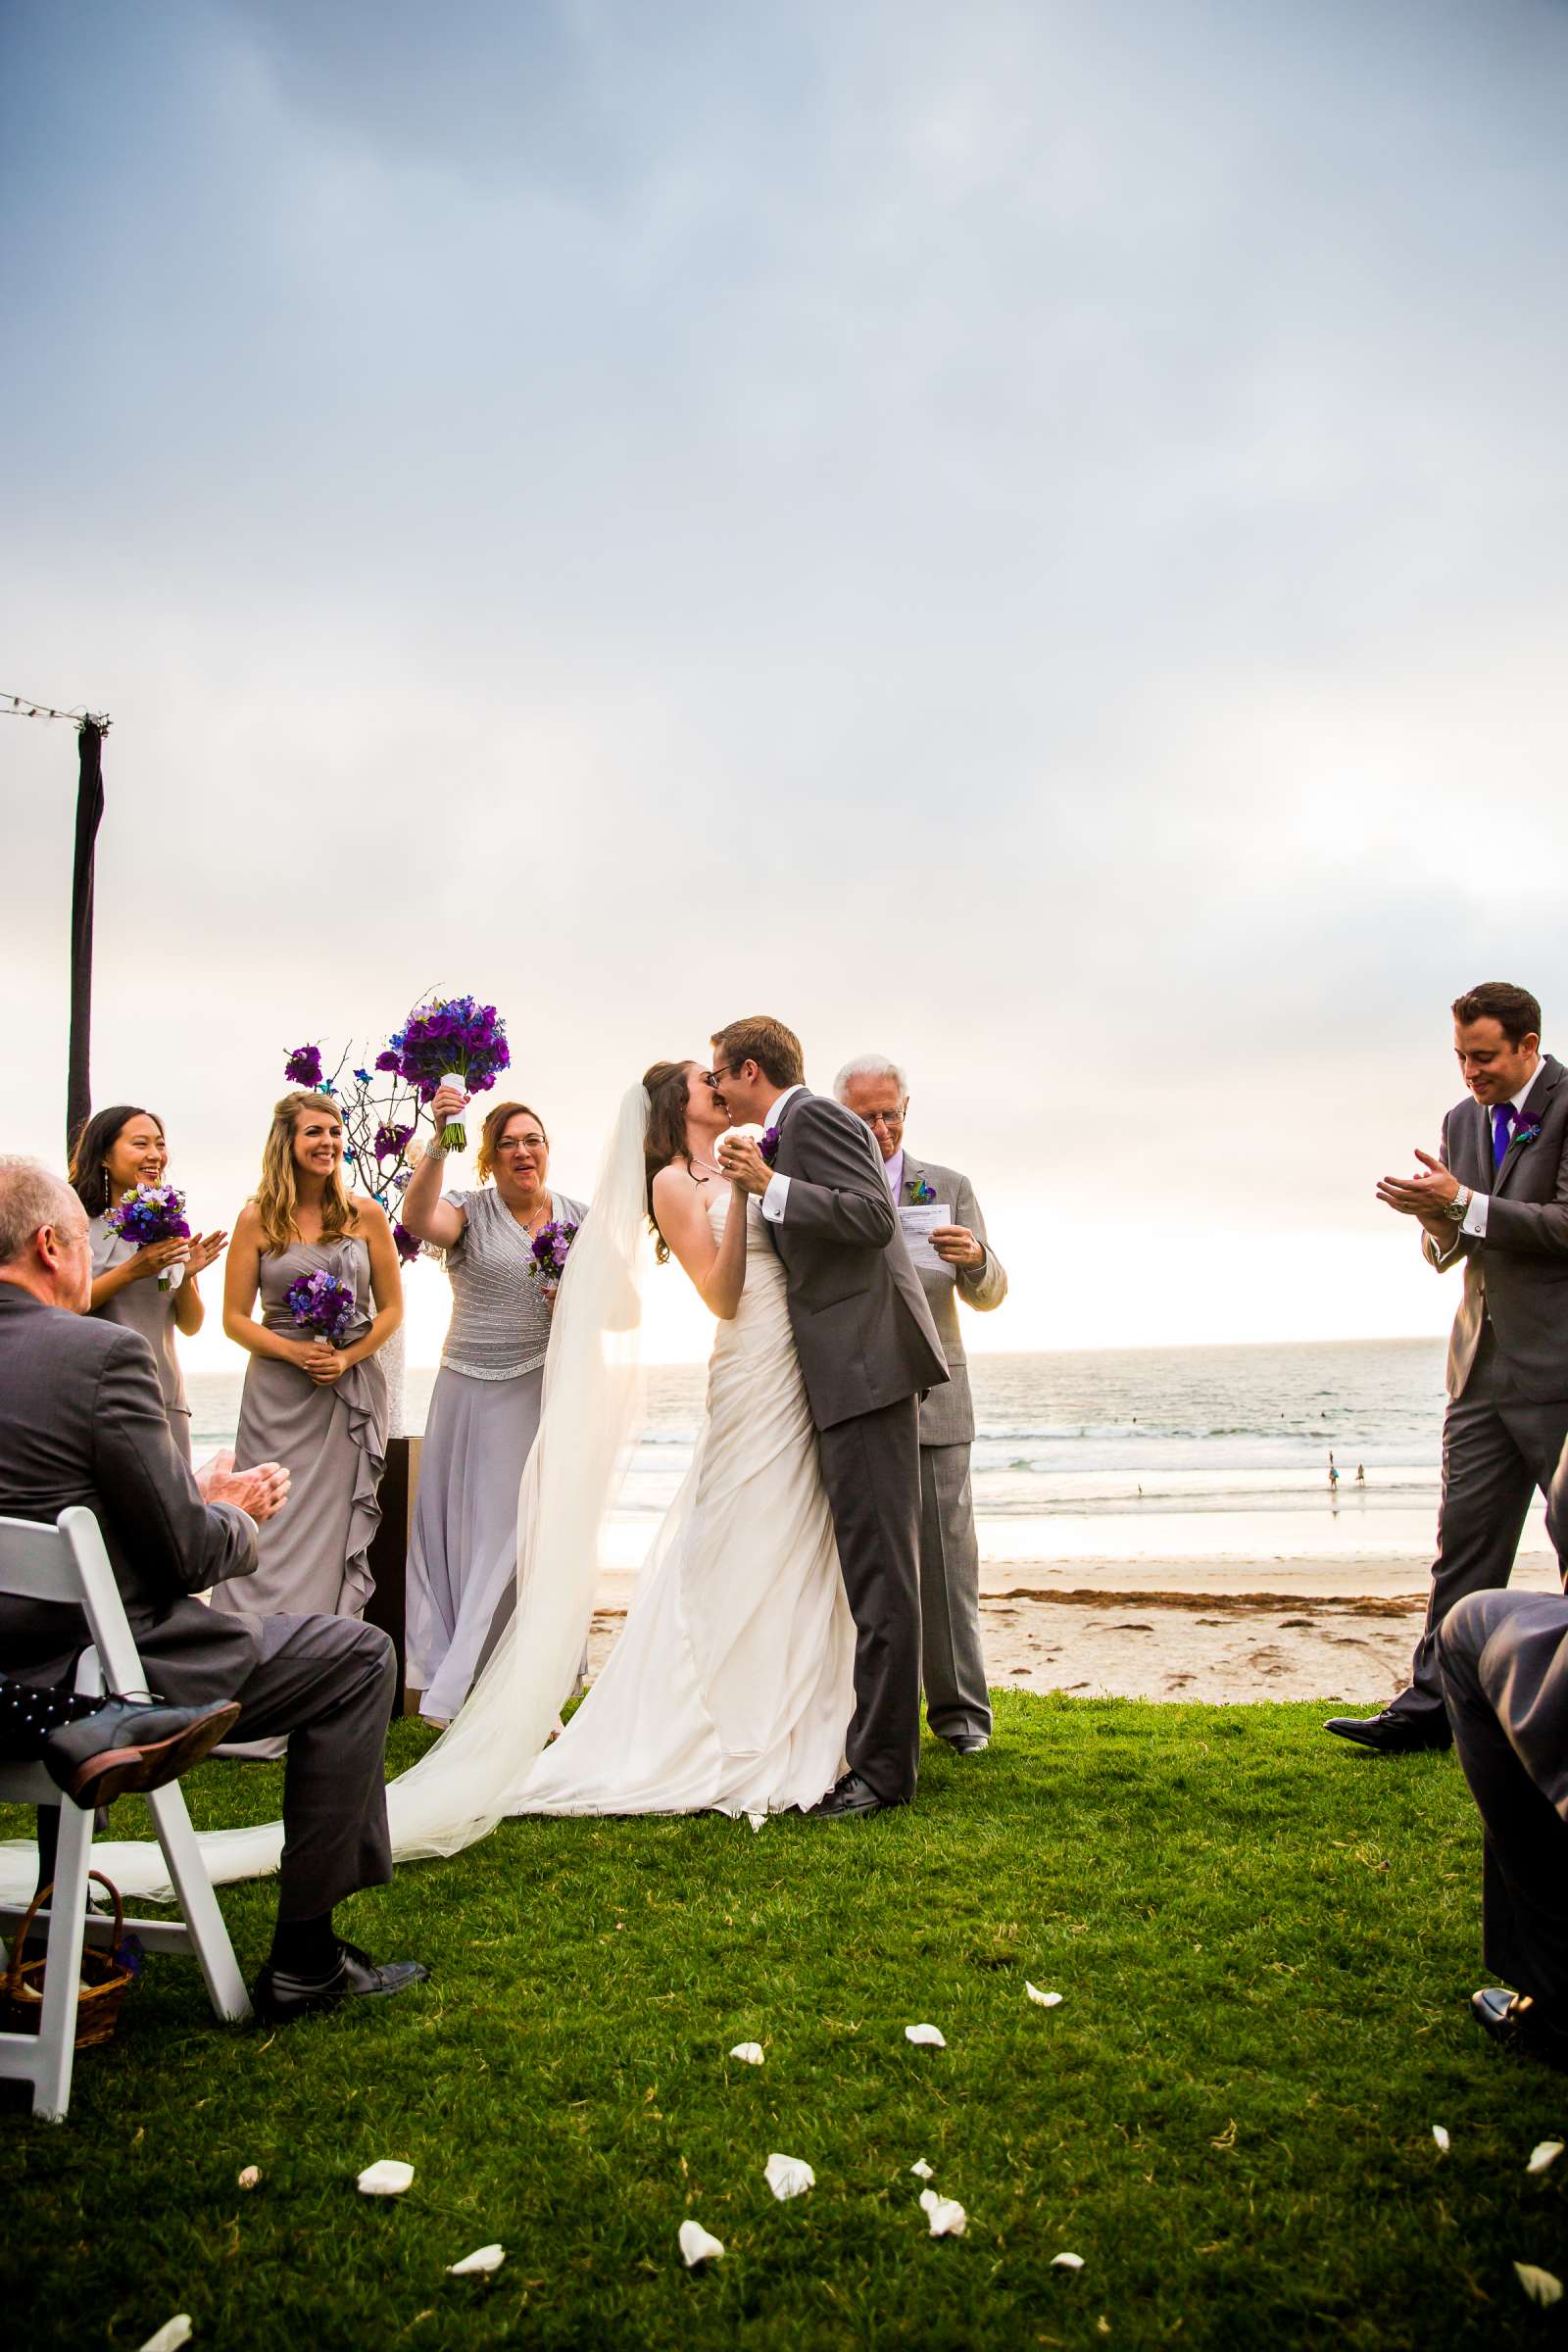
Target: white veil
(589,1418)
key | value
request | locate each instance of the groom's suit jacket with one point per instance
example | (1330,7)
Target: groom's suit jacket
(864,1332)
(947,1417)
(1518,1276)
(82,1421)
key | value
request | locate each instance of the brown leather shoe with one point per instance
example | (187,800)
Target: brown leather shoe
(125,1745)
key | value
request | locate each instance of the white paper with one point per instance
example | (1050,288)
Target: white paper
(919,1223)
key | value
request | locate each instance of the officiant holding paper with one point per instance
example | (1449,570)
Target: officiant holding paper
(947,1238)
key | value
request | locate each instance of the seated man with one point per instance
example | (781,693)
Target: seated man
(81,1421)
(98,1748)
(1504,1659)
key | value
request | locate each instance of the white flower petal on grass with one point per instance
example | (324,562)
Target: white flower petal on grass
(922,2171)
(1445,2143)
(483,2257)
(927,2036)
(171,2335)
(1545,2152)
(1046,2001)
(788,2176)
(249,2177)
(1066,2262)
(697,2246)
(388,2179)
(946,2214)
(758,1821)
(1540,2285)
(749,2053)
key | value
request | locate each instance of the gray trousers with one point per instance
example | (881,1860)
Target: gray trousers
(952,1666)
(1497,1451)
(1504,1659)
(871,1470)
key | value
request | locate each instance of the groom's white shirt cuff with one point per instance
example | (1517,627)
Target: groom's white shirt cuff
(776,1197)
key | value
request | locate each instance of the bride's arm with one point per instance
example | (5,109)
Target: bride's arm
(716,1269)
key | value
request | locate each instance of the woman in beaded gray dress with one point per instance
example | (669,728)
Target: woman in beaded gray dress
(484,1408)
(118,1150)
(318,1405)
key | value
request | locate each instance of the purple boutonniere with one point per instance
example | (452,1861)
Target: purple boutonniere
(1526,1133)
(768,1146)
(919,1192)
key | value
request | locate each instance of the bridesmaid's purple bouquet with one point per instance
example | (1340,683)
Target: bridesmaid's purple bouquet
(322,1304)
(550,1247)
(451,1039)
(151,1212)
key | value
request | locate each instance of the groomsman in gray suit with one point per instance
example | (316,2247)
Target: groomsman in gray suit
(957,1703)
(1495,1201)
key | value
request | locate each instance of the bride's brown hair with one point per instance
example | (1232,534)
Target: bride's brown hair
(665,1137)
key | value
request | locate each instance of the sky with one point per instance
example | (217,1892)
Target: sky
(1027,539)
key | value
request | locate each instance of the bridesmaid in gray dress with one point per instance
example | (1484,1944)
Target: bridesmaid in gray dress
(319,1408)
(484,1407)
(116,1150)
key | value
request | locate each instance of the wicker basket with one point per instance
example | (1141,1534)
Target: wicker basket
(104,1979)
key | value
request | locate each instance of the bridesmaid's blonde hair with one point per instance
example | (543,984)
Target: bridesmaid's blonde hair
(276,1196)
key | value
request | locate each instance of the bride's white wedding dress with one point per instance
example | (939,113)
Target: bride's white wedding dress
(732,1685)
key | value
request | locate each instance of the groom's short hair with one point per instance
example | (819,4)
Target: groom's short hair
(775,1049)
(1514,1010)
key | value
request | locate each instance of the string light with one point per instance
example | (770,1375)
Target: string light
(17,705)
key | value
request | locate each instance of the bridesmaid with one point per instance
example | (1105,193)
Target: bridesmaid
(484,1408)
(116,1150)
(321,1410)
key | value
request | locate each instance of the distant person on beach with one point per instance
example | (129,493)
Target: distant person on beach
(1504,1659)
(1495,1198)
(957,1262)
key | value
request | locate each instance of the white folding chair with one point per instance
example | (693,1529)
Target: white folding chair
(68,1562)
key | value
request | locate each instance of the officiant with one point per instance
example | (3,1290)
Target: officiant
(954,1262)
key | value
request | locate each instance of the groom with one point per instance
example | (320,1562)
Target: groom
(869,1350)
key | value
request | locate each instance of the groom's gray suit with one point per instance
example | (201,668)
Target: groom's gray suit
(1507,1420)
(869,1350)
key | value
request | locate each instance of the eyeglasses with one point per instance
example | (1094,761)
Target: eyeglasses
(881,1118)
(711,1077)
(522,1143)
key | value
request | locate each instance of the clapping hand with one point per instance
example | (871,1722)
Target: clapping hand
(204,1248)
(262,1491)
(157,1258)
(742,1164)
(1424,1196)
(957,1245)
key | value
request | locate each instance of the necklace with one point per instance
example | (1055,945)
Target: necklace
(693,1164)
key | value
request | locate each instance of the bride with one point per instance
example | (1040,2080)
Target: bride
(732,1685)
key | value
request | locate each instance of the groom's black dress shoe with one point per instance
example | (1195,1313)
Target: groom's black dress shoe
(848,1795)
(279,1999)
(1515,2020)
(1392,1734)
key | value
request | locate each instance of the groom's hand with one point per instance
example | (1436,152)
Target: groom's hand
(1424,1197)
(741,1160)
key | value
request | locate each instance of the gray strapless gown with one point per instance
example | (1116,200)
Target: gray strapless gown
(313,1557)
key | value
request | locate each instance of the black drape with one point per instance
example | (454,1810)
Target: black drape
(89,813)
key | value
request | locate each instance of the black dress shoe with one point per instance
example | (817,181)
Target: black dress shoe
(123,1745)
(1519,2022)
(1392,1733)
(969,1744)
(279,1999)
(848,1795)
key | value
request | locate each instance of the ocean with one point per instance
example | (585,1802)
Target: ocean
(1129,1454)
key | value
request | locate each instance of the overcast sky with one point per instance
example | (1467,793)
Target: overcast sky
(1026,538)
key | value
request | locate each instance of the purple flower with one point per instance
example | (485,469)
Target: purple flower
(390,1140)
(768,1146)
(450,1034)
(387,1061)
(550,1247)
(407,1244)
(151,1212)
(920,1191)
(304,1066)
(323,1304)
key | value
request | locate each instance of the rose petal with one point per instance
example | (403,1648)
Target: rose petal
(483,2257)
(388,2179)
(1545,2152)
(922,2171)
(1540,2285)
(749,2053)
(171,2335)
(946,2214)
(250,2176)
(697,2246)
(1445,2143)
(928,2037)
(1046,2001)
(1066,2262)
(788,2176)
(758,1821)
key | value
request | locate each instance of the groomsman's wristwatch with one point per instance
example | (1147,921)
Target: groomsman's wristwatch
(1456,1207)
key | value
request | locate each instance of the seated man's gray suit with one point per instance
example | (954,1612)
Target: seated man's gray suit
(951,1661)
(82,1421)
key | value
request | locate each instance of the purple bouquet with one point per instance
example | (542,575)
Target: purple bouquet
(451,1038)
(550,1247)
(151,1212)
(322,1304)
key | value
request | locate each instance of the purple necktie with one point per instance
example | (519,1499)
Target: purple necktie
(1502,1124)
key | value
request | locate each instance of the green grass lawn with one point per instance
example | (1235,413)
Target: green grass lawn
(1266,1945)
